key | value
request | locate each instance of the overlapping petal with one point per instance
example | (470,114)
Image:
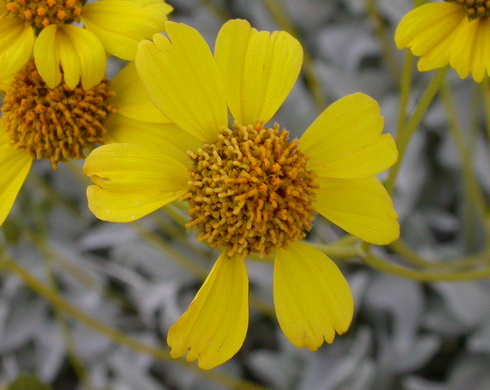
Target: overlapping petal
(345,133)
(470,51)
(312,299)
(14,165)
(16,44)
(362,207)
(214,326)
(121,24)
(166,137)
(182,79)
(258,69)
(131,181)
(132,99)
(77,51)
(441,34)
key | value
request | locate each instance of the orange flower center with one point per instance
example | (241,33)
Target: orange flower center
(42,13)
(250,191)
(54,124)
(476,8)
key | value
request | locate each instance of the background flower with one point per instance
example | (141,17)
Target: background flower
(44,29)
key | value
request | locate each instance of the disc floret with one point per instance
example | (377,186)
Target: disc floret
(250,191)
(475,8)
(56,124)
(42,13)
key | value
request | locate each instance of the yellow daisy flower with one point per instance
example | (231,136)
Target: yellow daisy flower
(43,28)
(451,33)
(250,189)
(61,123)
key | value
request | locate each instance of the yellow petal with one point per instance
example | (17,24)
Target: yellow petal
(16,43)
(14,165)
(362,207)
(4,83)
(131,181)
(429,31)
(79,53)
(470,49)
(214,326)
(368,160)
(481,54)
(349,124)
(121,24)
(258,69)
(162,136)
(182,79)
(312,299)
(131,98)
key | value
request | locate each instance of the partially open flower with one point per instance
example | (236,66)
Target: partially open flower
(44,28)
(452,33)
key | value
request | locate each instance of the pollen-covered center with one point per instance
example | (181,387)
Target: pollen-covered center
(250,191)
(54,124)
(42,13)
(475,8)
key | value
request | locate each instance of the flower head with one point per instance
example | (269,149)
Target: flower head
(451,33)
(44,28)
(250,188)
(59,124)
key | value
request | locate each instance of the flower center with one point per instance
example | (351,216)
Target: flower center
(42,13)
(475,8)
(250,191)
(54,124)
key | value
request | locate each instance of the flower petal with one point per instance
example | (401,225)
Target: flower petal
(347,125)
(470,49)
(362,207)
(162,136)
(79,53)
(312,299)
(258,69)
(214,326)
(182,79)
(132,99)
(16,43)
(366,161)
(121,24)
(131,181)
(14,165)
(429,31)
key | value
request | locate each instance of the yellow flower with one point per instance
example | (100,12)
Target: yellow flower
(450,33)
(61,123)
(249,188)
(42,28)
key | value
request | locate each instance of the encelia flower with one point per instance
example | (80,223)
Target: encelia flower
(44,28)
(450,33)
(59,124)
(251,190)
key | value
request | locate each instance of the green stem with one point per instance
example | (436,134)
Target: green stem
(116,336)
(404,136)
(382,265)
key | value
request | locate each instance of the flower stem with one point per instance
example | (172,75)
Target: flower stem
(406,132)
(7,264)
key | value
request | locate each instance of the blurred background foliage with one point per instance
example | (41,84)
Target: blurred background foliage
(86,304)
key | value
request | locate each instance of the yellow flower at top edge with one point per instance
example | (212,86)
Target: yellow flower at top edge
(452,33)
(251,189)
(59,124)
(43,28)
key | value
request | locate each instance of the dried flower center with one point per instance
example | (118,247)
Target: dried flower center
(54,124)
(475,8)
(42,13)
(250,191)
